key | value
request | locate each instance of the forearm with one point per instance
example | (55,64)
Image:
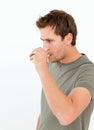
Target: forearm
(38,122)
(59,103)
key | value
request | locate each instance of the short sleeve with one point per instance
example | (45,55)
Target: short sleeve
(86,78)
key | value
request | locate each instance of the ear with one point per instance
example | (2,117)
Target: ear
(68,38)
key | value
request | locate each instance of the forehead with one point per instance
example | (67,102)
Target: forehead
(47,32)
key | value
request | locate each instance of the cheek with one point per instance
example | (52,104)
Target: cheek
(59,50)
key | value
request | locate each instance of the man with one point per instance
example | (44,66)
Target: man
(67,76)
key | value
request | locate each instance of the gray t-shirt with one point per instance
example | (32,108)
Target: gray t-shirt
(68,76)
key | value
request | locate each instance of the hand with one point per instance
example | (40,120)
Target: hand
(39,56)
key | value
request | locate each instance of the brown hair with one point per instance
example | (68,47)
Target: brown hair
(63,23)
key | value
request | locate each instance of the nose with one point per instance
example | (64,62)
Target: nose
(45,46)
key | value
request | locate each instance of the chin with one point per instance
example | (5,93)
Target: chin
(52,60)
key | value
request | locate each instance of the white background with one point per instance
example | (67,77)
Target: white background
(20,87)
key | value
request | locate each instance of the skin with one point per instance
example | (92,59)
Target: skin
(38,122)
(57,49)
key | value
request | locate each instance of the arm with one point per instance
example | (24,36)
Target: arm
(65,108)
(38,122)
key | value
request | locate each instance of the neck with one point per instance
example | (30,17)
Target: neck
(72,55)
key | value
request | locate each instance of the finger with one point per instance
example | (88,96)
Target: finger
(33,53)
(32,57)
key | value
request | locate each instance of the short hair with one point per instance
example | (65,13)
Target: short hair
(63,23)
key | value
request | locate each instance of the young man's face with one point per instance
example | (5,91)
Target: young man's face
(53,44)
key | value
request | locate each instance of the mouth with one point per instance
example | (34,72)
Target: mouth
(49,55)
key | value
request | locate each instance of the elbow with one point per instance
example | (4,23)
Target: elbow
(65,119)
(65,122)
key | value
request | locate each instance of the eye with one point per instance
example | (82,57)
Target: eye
(49,40)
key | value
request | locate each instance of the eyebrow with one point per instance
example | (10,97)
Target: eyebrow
(47,39)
